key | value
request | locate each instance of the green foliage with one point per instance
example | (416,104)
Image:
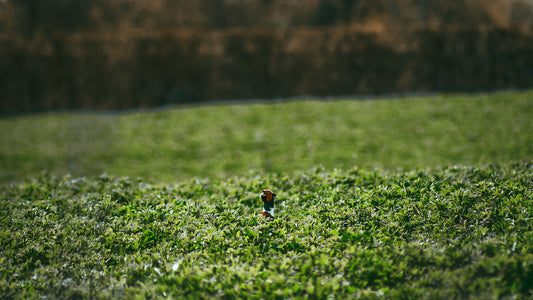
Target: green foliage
(389,221)
(218,141)
(451,232)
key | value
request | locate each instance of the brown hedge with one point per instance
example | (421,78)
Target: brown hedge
(144,69)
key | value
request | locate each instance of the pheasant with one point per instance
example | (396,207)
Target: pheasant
(268,204)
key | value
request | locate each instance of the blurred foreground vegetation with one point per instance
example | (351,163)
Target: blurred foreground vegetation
(178,143)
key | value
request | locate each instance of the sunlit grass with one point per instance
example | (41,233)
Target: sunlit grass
(215,141)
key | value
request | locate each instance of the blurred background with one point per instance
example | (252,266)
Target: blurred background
(121,54)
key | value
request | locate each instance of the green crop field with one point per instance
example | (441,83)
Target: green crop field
(406,198)
(445,233)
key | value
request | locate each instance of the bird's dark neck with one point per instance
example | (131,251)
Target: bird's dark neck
(268,207)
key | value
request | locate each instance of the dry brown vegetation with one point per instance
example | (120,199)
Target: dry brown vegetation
(102,54)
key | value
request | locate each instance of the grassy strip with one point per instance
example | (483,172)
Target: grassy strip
(214,142)
(453,232)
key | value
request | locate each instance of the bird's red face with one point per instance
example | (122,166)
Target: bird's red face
(266,196)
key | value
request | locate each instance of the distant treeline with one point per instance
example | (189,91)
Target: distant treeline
(103,54)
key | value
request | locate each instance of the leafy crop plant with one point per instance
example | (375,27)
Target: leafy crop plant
(452,232)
